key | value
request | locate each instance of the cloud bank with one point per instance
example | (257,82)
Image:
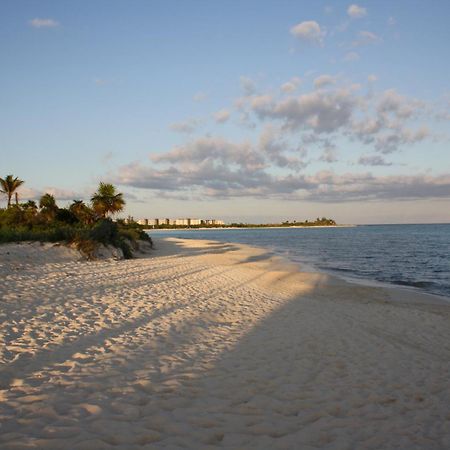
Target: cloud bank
(292,134)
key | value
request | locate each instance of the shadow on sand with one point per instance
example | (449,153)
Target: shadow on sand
(308,375)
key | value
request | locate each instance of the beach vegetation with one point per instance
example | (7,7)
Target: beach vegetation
(48,207)
(107,201)
(82,212)
(9,186)
(319,222)
(82,225)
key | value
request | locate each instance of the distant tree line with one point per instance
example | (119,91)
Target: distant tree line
(322,222)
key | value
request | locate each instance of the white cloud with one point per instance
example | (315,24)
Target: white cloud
(100,81)
(247,85)
(43,23)
(379,120)
(295,131)
(366,38)
(367,187)
(329,155)
(320,111)
(372,78)
(188,126)
(261,103)
(309,31)
(221,116)
(402,107)
(365,129)
(442,114)
(212,150)
(389,142)
(275,148)
(373,160)
(222,180)
(324,80)
(62,194)
(356,11)
(26,193)
(291,85)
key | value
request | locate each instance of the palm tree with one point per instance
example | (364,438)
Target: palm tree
(30,204)
(47,201)
(48,206)
(77,207)
(9,184)
(107,200)
(29,210)
(82,212)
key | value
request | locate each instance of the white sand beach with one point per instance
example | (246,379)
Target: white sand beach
(202,345)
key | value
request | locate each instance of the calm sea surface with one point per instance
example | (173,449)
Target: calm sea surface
(409,255)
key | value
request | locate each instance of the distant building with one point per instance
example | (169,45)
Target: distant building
(212,222)
(181,222)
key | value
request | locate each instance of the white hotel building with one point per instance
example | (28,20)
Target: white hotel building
(179,222)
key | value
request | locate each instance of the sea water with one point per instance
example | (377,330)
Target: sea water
(417,256)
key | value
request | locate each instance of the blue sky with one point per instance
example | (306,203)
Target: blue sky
(245,110)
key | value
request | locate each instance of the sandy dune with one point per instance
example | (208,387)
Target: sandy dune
(207,345)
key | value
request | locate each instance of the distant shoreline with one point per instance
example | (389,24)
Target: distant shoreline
(248,228)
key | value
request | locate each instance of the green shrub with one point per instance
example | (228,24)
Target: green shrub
(78,224)
(133,232)
(85,237)
(104,231)
(129,234)
(54,234)
(86,246)
(66,216)
(125,246)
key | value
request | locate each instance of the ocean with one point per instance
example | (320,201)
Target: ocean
(415,256)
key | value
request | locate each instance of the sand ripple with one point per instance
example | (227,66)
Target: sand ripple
(215,346)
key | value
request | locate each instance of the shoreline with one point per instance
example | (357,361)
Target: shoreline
(349,278)
(202,344)
(248,228)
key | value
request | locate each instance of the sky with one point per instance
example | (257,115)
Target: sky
(253,111)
